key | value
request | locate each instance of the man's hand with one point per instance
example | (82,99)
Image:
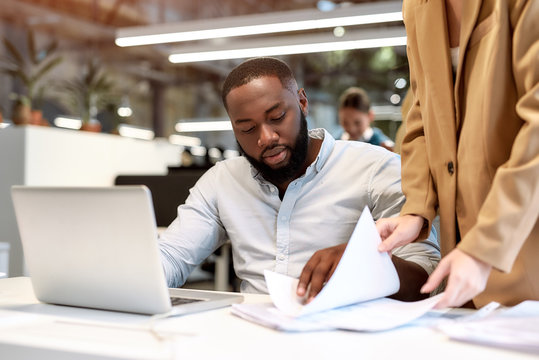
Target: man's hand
(467,277)
(318,270)
(398,231)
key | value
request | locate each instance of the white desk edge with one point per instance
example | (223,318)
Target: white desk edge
(29,329)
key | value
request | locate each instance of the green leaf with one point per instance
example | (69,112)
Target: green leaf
(17,57)
(32,47)
(102,84)
(10,72)
(22,75)
(46,68)
(93,71)
(51,48)
(38,98)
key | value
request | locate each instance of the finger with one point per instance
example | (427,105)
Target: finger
(451,295)
(306,274)
(318,279)
(449,299)
(334,265)
(459,289)
(436,277)
(384,228)
(393,241)
(331,271)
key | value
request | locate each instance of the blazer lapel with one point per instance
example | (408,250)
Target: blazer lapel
(433,47)
(470,12)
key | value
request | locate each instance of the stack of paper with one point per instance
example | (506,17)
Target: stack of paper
(353,298)
(514,328)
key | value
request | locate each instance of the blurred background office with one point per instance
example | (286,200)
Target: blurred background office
(95,89)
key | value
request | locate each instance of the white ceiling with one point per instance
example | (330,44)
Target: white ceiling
(83,24)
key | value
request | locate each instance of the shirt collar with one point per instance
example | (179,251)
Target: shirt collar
(328,142)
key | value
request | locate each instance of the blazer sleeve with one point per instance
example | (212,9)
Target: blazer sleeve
(511,208)
(417,182)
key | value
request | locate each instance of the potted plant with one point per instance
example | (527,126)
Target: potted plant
(30,70)
(89,93)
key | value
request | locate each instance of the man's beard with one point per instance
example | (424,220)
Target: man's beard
(296,162)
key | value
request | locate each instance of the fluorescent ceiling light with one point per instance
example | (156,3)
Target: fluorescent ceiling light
(4,125)
(68,123)
(124,111)
(198,151)
(214,153)
(184,140)
(135,132)
(287,21)
(360,39)
(196,126)
(227,154)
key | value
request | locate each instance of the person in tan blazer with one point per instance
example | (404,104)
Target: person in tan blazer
(471,149)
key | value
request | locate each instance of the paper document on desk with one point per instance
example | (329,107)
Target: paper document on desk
(514,328)
(352,299)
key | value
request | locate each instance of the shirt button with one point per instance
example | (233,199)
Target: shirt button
(281,257)
(450,168)
(272,190)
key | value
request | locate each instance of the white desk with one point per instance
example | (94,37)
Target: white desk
(31,330)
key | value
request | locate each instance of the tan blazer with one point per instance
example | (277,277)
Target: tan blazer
(471,150)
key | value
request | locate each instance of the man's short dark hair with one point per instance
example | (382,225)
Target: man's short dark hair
(355,98)
(252,69)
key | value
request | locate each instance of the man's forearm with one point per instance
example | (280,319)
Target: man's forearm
(411,277)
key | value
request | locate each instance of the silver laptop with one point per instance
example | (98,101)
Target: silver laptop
(97,248)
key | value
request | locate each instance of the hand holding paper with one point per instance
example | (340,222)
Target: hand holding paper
(362,274)
(318,270)
(352,299)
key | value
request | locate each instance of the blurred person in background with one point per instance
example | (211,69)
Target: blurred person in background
(356,117)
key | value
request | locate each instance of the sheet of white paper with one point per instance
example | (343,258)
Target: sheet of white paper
(362,274)
(374,315)
(268,315)
(282,290)
(525,309)
(514,328)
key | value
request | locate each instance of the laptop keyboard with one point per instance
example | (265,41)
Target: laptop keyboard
(181,301)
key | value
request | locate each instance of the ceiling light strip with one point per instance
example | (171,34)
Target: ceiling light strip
(286,50)
(362,14)
(68,123)
(224,125)
(135,132)
(257,29)
(184,140)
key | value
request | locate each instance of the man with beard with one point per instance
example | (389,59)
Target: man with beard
(291,202)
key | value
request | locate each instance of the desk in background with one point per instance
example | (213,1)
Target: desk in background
(41,156)
(168,192)
(31,330)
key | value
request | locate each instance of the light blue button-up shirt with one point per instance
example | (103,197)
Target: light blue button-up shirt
(319,209)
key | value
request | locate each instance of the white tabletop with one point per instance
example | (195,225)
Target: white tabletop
(29,329)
